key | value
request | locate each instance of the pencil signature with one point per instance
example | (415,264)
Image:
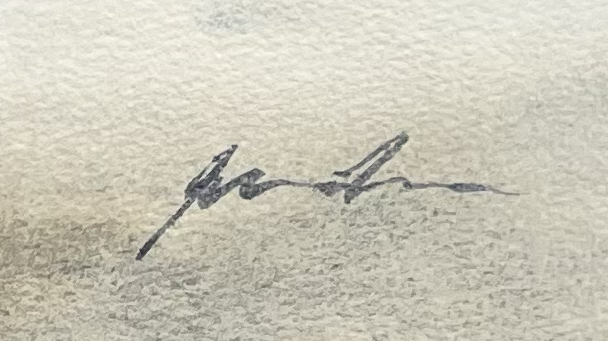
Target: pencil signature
(206,188)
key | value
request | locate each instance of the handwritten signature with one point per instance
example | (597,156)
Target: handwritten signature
(206,188)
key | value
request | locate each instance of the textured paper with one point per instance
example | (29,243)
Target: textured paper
(109,108)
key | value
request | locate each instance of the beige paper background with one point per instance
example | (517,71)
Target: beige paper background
(108,108)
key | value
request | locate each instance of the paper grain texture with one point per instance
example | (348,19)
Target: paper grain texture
(108,108)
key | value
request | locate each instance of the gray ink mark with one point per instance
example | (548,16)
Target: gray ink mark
(225,16)
(206,188)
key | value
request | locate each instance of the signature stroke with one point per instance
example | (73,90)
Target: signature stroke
(206,188)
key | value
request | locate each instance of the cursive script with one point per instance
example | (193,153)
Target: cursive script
(206,188)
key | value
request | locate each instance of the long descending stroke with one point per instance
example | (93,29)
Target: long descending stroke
(206,188)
